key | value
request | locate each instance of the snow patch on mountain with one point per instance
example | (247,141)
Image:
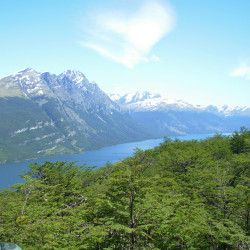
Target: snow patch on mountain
(226,110)
(73,75)
(28,81)
(145,101)
(114,97)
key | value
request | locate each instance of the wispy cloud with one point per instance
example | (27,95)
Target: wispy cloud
(128,36)
(242,71)
(155,58)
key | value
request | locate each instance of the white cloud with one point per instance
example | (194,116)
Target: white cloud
(127,37)
(155,58)
(242,71)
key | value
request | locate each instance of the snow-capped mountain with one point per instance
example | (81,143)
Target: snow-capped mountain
(134,97)
(45,114)
(226,110)
(25,83)
(145,101)
(69,86)
(170,117)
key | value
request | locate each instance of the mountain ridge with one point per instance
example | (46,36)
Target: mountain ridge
(146,101)
(171,117)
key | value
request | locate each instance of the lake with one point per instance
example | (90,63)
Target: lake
(9,172)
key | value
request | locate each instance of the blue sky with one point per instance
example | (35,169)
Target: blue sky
(198,51)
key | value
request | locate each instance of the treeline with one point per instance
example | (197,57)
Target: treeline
(180,195)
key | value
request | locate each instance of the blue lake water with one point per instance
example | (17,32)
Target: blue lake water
(9,172)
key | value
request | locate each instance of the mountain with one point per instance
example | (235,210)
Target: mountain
(145,101)
(43,114)
(226,110)
(170,117)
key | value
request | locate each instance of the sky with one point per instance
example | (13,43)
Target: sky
(197,51)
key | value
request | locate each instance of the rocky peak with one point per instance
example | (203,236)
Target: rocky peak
(26,71)
(27,79)
(73,76)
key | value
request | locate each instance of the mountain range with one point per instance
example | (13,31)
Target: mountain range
(44,114)
(145,101)
(171,117)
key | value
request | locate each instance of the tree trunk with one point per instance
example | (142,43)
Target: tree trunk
(132,218)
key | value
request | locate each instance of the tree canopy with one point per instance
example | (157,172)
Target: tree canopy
(179,195)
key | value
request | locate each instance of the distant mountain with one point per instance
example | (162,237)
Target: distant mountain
(43,114)
(171,117)
(226,110)
(145,101)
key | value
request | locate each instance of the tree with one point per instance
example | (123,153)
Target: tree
(238,141)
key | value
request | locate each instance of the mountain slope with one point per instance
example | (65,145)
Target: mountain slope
(44,114)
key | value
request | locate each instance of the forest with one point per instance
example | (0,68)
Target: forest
(179,195)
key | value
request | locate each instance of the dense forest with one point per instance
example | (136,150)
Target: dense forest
(179,195)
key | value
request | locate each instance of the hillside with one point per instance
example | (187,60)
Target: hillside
(180,195)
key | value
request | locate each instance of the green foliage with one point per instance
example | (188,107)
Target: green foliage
(239,141)
(180,195)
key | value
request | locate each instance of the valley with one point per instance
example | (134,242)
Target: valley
(44,114)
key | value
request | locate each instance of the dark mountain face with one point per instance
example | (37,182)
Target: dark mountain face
(44,114)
